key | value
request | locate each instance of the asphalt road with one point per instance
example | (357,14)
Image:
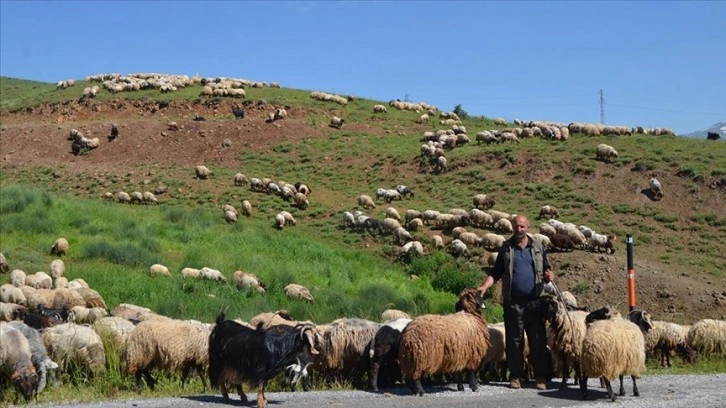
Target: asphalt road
(702,391)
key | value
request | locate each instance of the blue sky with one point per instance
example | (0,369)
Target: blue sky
(659,64)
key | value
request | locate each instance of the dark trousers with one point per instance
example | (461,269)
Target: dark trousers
(518,320)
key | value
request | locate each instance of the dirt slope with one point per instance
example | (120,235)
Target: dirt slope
(38,137)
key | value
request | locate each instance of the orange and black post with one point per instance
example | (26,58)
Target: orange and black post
(631,272)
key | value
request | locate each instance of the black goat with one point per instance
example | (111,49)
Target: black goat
(240,354)
(383,352)
(373,224)
(238,113)
(713,136)
(198,118)
(43,317)
(114,133)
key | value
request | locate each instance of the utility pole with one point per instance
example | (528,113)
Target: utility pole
(602,108)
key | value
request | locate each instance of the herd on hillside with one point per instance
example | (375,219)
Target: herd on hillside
(50,325)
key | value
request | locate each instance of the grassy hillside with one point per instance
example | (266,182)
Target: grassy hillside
(45,192)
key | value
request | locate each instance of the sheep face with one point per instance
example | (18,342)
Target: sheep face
(26,382)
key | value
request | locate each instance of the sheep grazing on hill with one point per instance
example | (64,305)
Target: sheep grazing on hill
(548,211)
(655,188)
(4,266)
(336,122)
(665,337)
(344,349)
(295,291)
(483,202)
(434,344)
(60,247)
(606,153)
(379,109)
(73,346)
(202,172)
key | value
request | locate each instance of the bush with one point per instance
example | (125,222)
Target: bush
(126,254)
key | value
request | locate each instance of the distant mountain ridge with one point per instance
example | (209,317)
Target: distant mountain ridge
(719,128)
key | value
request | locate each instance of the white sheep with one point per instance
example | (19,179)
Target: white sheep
(149,198)
(600,241)
(655,187)
(4,266)
(708,337)
(402,236)
(279,221)
(247,280)
(246,208)
(459,248)
(504,225)
(300,292)
(212,274)
(365,201)
(240,179)
(437,241)
(379,109)
(492,242)
(606,152)
(202,172)
(57,268)
(230,217)
(159,269)
(613,348)
(393,213)
(85,315)
(72,345)
(17,277)
(124,197)
(336,122)
(60,247)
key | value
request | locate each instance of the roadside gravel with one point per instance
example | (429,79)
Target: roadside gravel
(667,391)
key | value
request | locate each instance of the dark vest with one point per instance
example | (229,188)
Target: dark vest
(507,251)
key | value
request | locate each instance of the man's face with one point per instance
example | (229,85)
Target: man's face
(521,226)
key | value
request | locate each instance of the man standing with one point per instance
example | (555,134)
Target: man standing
(523,268)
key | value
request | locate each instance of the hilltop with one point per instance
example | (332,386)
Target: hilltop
(679,240)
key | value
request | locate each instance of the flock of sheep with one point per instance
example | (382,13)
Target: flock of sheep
(51,325)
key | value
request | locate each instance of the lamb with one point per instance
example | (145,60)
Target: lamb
(72,345)
(289,219)
(365,201)
(441,165)
(279,221)
(383,353)
(434,344)
(549,211)
(606,153)
(614,347)
(295,291)
(171,345)
(708,337)
(16,366)
(202,172)
(60,247)
(39,355)
(247,280)
(159,269)
(655,188)
(336,122)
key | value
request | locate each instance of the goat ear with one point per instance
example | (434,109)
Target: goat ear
(309,336)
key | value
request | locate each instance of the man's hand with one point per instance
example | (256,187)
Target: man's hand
(548,276)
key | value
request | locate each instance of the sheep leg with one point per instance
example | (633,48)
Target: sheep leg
(473,384)
(565,372)
(261,400)
(622,387)
(583,387)
(373,375)
(610,389)
(200,372)
(635,387)
(417,388)
(459,383)
(225,394)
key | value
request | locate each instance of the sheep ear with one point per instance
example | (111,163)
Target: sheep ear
(309,336)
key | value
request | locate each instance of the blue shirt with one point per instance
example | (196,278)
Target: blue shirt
(523,279)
